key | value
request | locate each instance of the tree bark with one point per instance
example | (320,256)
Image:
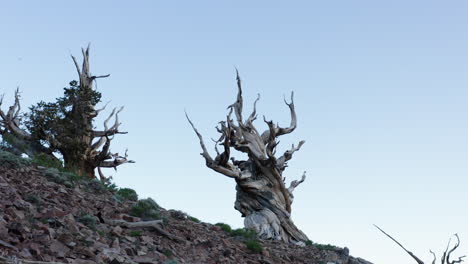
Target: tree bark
(262,197)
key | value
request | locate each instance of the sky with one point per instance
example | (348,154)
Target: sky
(381,96)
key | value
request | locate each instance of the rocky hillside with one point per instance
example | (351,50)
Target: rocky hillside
(51,216)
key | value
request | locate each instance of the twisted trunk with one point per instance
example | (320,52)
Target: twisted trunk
(261,200)
(262,197)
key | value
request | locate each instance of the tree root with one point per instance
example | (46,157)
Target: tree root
(155,225)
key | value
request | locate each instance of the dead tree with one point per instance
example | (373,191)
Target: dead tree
(262,196)
(445,259)
(66,126)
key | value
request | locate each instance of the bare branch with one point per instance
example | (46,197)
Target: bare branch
(96,112)
(282,161)
(118,160)
(457,244)
(253,115)
(398,243)
(112,130)
(434,255)
(76,65)
(296,183)
(293,125)
(238,105)
(11,120)
(227,169)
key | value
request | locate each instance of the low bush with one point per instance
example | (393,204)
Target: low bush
(88,220)
(320,246)
(47,161)
(127,194)
(248,234)
(11,161)
(147,209)
(254,246)
(135,233)
(224,227)
(193,219)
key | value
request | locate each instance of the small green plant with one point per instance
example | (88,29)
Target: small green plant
(109,185)
(89,221)
(320,246)
(225,227)
(11,161)
(324,247)
(193,219)
(67,178)
(45,160)
(147,209)
(167,253)
(127,194)
(135,233)
(254,246)
(245,233)
(32,199)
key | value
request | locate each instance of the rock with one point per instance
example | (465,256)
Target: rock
(117,231)
(58,249)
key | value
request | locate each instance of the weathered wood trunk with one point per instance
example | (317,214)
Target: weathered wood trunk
(266,208)
(262,197)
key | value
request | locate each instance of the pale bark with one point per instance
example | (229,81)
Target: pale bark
(262,197)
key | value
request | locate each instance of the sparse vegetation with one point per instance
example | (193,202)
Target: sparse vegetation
(224,227)
(47,161)
(168,253)
(88,220)
(147,209)
(254,246)
(245,233)
(127,194)
(248,236)
(320,246)
(135,233)
(10,160)
(193,219)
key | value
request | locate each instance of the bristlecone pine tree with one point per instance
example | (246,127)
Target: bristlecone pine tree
(65,127)
(262,196)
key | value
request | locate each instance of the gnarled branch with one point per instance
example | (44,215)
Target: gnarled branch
(445,256)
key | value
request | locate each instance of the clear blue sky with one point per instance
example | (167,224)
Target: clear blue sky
(381,94)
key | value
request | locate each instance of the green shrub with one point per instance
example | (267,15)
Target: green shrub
(135,233)
(67,178)
(168,253)
(324,247)
(32,199)
(320,246)
(88,220)
(11,161)
(193,219)
(225,227)
(254,246)
(147,209)
(45,160)
(99,187)
(127,194)
(248,234)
